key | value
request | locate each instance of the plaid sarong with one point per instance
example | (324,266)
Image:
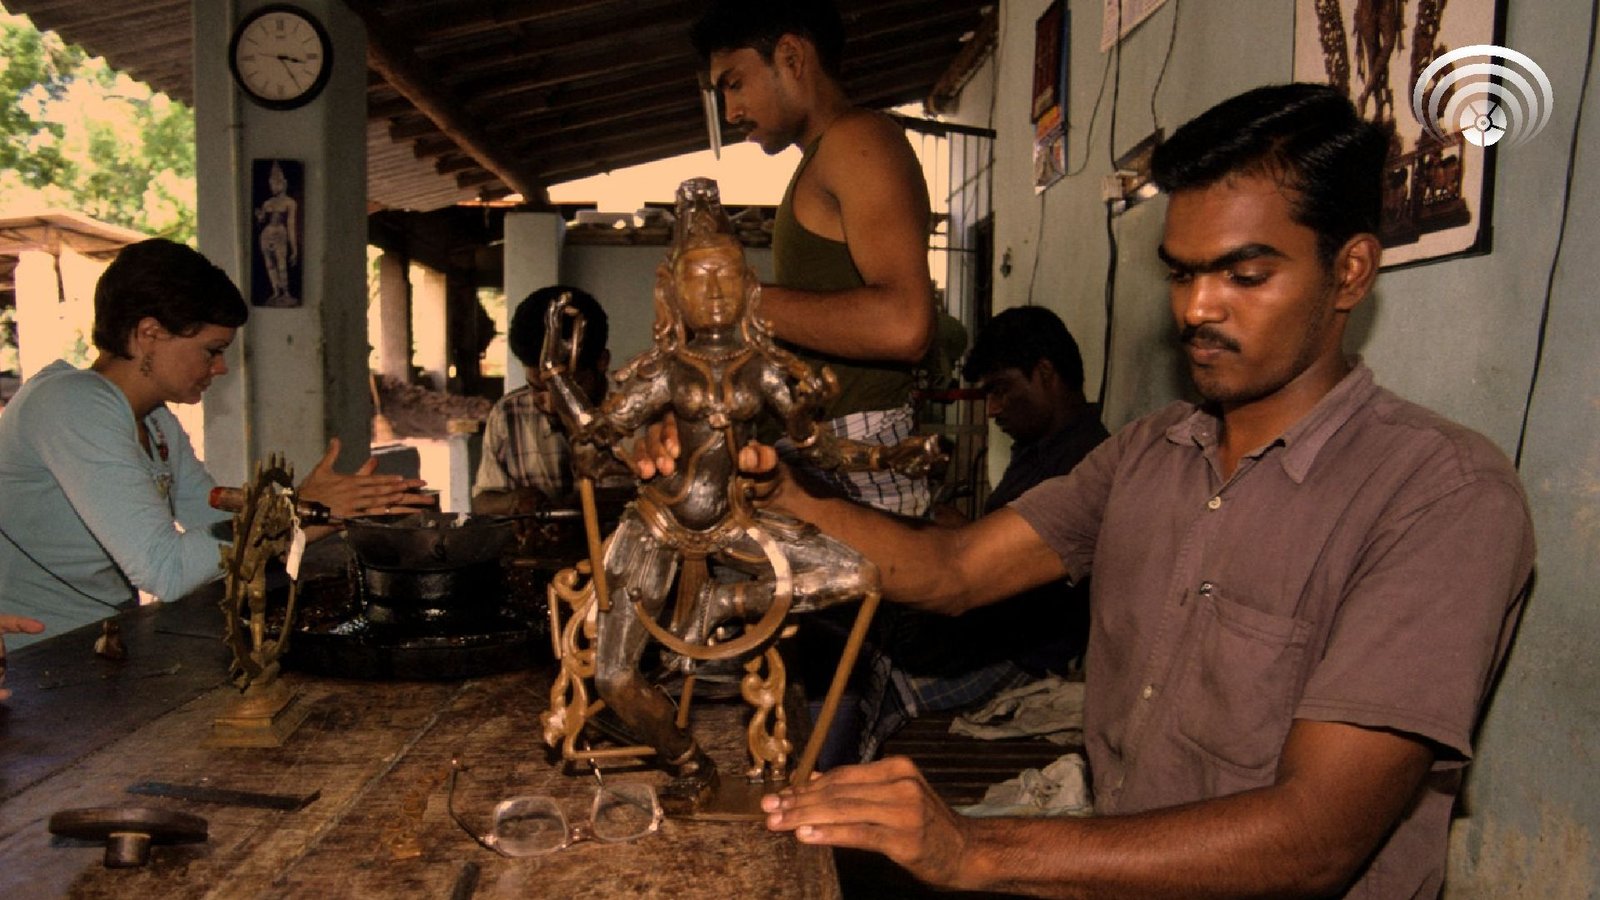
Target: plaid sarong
(883,490)
(894,697)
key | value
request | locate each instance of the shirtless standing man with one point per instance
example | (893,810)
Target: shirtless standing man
(850,248)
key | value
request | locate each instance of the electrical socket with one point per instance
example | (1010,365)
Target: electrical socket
(1111,188)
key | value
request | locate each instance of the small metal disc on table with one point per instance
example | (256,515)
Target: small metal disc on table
(128,831)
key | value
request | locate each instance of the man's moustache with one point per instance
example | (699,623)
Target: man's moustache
(1207,337)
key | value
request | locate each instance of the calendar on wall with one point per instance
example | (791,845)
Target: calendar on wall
(1130,13)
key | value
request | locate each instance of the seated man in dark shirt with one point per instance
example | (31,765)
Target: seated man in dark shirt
(1028,364)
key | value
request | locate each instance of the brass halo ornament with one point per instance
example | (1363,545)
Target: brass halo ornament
(281,56)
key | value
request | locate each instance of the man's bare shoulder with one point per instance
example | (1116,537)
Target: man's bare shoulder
(864,131)
(866,149)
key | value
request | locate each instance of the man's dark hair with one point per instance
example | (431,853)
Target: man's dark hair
(526,334)
(728,25)
(1021,336)
(167,281)
(1306,135)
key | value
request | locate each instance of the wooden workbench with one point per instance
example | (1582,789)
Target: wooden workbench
(80,730)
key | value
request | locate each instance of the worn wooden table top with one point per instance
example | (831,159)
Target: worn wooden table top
(79,731)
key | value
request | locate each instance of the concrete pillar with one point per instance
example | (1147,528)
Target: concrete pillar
(39,334)
(470,331)
(430,344)
(393,337)
(532,261)
(299,374)
(55,305)
(79,274)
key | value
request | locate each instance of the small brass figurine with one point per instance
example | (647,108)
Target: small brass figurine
(692,554)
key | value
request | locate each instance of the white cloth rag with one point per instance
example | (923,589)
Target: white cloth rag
(1058,789)
(1051,708)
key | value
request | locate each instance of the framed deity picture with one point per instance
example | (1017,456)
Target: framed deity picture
(1050,36)
(277,204)
(1049,59)
(1438,181)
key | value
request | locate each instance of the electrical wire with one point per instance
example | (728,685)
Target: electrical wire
(1116,90)
(1038,251)
(1110,304)
(1088,137)
(994,83)
(1172,40)
(1111,231)
(1561,241)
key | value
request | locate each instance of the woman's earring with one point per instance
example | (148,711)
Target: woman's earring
(147,365)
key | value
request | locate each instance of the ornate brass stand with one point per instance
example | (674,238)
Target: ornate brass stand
(575,600)
(266,526)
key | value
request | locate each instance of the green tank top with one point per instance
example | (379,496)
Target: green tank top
(808,261)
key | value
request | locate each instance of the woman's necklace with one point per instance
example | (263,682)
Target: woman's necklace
(163,478)
(158,438)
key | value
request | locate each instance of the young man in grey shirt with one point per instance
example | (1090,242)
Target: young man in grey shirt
(1303,585)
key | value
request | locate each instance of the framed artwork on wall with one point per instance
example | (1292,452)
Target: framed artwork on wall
(277,203)
(1438,182)
(1048,111)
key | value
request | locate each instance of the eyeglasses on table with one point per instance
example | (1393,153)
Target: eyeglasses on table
(536,825)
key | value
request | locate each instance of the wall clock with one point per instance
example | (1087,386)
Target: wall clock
(281,56)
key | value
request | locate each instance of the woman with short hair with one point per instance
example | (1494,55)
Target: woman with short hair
(101,495)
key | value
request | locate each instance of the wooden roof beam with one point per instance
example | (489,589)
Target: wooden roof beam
(601,162)
(942,98)
(469,17)
(388,56)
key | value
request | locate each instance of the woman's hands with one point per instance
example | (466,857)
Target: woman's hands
(10,624)
(362,492)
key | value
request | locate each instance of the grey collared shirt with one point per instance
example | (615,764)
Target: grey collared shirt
(1366,567)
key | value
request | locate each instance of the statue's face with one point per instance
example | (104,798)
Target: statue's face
(711,286)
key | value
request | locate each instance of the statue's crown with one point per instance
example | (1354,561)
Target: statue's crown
(701,219)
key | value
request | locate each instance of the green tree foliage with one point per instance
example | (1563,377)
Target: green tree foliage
(76,134)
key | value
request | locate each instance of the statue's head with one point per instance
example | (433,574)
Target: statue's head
(711,281)
(276,180)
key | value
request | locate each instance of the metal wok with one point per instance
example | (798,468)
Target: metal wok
(428,541)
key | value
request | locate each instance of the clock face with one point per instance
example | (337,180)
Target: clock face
(281,56)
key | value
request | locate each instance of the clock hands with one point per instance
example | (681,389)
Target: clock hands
(284,59)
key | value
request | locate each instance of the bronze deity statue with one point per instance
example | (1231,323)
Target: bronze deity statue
(693,565)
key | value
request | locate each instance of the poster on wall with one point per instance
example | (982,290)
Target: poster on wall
(277,196)
(1437,182)
(1050,37)
(1049,150)
(1130,14)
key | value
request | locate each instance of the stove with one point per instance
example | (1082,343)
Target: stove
(428,596)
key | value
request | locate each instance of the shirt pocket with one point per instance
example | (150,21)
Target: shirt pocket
(1236,697)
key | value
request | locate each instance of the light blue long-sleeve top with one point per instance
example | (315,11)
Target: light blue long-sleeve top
(80,496)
